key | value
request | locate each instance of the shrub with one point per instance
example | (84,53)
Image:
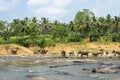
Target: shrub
(13,40)
(43,43)
(2,41)
(94,36)
(75,37)
(116,38)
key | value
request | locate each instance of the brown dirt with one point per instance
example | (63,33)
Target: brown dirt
(6,49)
(88,46)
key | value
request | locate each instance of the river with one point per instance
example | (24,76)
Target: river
(29,68)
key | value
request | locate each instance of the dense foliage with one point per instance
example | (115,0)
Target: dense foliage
(31,31)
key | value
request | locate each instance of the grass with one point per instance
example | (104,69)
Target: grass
(51,42)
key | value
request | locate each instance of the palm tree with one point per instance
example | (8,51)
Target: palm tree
(46,26)
(16,27)
(116,25)
(71,26)
(5,30)
(83,21)
(108,21)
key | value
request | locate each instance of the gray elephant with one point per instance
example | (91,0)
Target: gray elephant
(116,52)
(71,53)
(95,54)
(83,52)
(42,51)
(63,54)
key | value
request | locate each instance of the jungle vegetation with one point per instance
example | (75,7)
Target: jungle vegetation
(31,31)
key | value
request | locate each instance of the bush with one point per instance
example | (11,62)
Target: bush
(51,43)
(75,37)
(93,36)
(116,38)
(2,41)
(23,42)
(43,43)
(13,40)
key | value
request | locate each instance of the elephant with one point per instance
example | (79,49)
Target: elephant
(101,52)
(42,51)
(107,53)
(83,52)
(14,51)
(95,54)
(116,52)
(63,54)
(71,53)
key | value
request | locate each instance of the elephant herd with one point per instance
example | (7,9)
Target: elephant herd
(86,53)
(83,53)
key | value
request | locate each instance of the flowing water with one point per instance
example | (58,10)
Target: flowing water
(44,72)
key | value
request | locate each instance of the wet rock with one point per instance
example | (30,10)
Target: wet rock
(88,69)
(104,70)
(38,78)
(53,66)
(86,61)
(31,76)
(63,72)
(77,62)
(62,65)
(114,67)
(3,68)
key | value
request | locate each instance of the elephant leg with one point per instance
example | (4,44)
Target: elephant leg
(77,54)
(114,54)
(81,55)
(87,55)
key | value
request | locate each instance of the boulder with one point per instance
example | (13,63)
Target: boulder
(38,78)
(104,70)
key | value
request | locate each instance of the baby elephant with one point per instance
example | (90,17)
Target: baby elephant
(71,53)
(83,52)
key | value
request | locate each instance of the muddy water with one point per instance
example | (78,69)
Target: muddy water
(18,71)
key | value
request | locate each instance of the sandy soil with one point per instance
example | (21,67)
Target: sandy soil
(7,50)
(92,47)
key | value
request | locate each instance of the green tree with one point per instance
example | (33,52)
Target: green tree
(59,32)
(116,24)
(5,30)
(46,26)
(74,37)
(108,22)
(71,26)
(83,21)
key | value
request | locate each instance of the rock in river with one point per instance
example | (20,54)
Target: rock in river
(104,70)
(38,78)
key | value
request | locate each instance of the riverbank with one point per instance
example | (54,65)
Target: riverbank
(7,50)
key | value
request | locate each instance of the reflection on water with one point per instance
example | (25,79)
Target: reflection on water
(43,72)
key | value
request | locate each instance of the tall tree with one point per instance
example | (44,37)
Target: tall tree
(108,26)
(83,21)
(5,30)
(45,26)
(59,32)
